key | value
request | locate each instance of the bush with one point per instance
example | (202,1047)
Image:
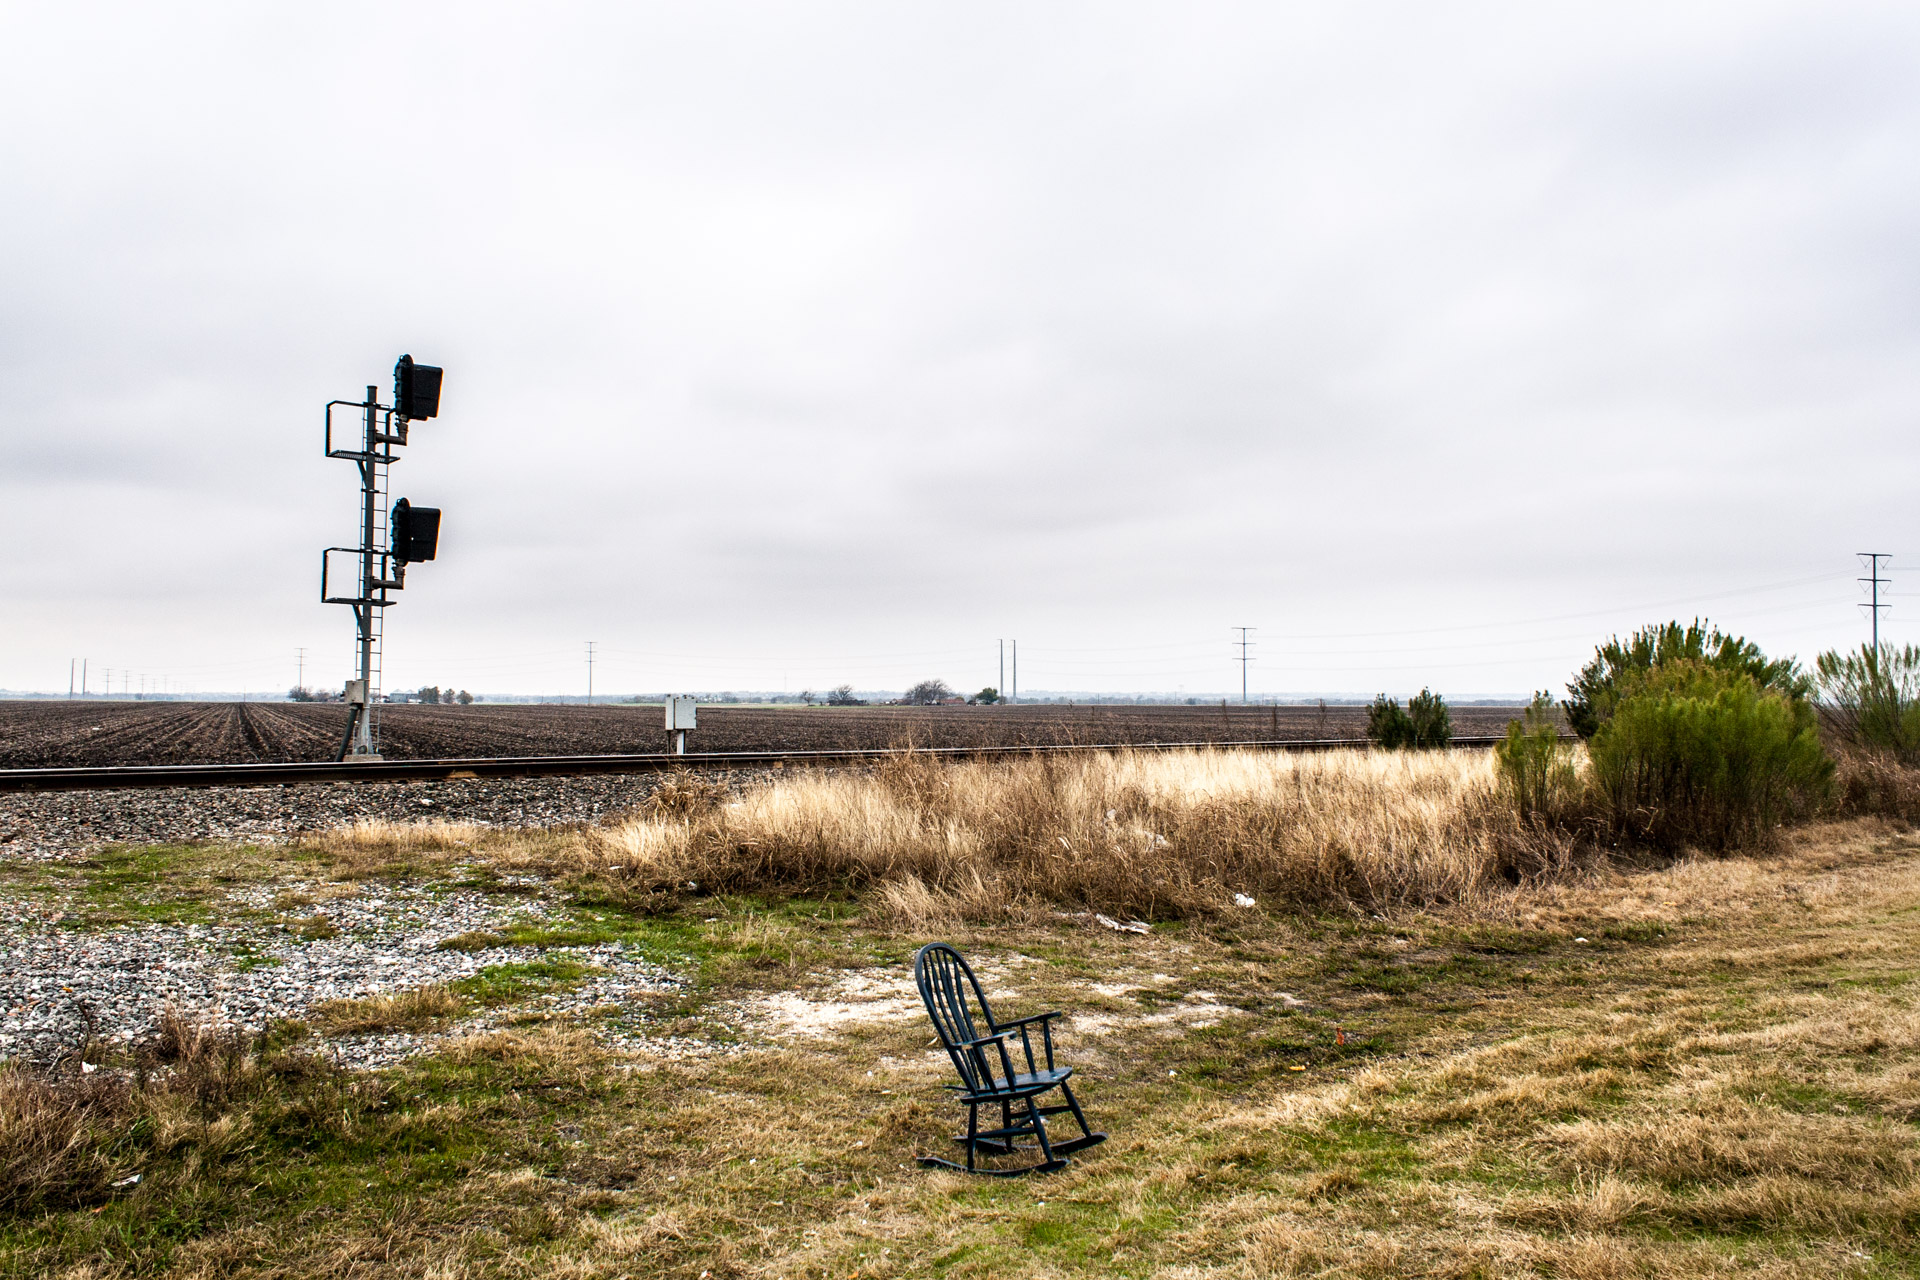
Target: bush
(1536,767)
(1424,722)
(1695,753)
(1597,689)
(1432,726)
(1387,725)
(1871,699)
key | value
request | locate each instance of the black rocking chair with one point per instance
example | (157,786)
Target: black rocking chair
(987,1070)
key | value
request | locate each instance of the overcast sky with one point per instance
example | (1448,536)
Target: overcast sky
(796,344)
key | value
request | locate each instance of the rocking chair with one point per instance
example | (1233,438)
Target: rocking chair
(988,1074)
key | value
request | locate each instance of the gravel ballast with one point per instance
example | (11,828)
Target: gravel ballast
(61,985)
(45,825)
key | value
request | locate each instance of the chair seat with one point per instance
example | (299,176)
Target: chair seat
(1024,1084)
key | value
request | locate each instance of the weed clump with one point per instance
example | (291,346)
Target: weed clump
(62,1139)
(1537,769)
(684,795)
(389,1011)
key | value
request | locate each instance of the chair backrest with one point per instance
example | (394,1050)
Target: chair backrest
(945,983)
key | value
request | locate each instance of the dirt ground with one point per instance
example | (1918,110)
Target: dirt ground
(40,734)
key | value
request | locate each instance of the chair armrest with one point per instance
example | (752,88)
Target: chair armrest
(1045,1022)
(1006,1034)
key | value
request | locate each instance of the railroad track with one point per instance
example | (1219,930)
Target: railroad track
(114,777)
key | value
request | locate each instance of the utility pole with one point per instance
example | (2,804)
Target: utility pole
(301,682)
(83,677)
(1243,659)
(1016,672)
(589,673)
(1873,582)
(1001,688)
(71,664)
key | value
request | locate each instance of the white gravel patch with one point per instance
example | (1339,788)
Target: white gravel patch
(59,984)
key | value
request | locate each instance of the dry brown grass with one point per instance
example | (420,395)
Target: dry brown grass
(1872,784)
(57,1138)
(386,1011)
(1155,835)
(72,1138)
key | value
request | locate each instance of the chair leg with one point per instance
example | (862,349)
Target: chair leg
(1049,1161)
(973,1128)
(1066,1091)
(1087,1138)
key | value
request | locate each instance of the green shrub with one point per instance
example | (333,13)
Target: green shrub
(1387,725)
(1871,699)
(1597,689)
(1432,726)
(1695,753)
(1423,723)
(1536,767)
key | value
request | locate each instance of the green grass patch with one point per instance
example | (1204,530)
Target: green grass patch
(499,984)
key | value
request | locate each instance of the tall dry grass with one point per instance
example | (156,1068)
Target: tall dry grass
(1149,834)
(59,1138)
(69,1138)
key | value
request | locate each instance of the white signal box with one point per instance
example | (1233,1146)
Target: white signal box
(680,711)
(356,693)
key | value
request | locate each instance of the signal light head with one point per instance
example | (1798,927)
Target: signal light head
(416,389)
(413,533)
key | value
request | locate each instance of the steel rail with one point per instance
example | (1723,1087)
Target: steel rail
(115,777)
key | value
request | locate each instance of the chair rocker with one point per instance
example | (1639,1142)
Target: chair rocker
(988,1071)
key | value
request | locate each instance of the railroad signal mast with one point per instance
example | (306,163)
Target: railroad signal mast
(390,539)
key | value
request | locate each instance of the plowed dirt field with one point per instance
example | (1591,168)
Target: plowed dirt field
(45,734)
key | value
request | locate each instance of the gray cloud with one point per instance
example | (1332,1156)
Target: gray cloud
(836,342)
